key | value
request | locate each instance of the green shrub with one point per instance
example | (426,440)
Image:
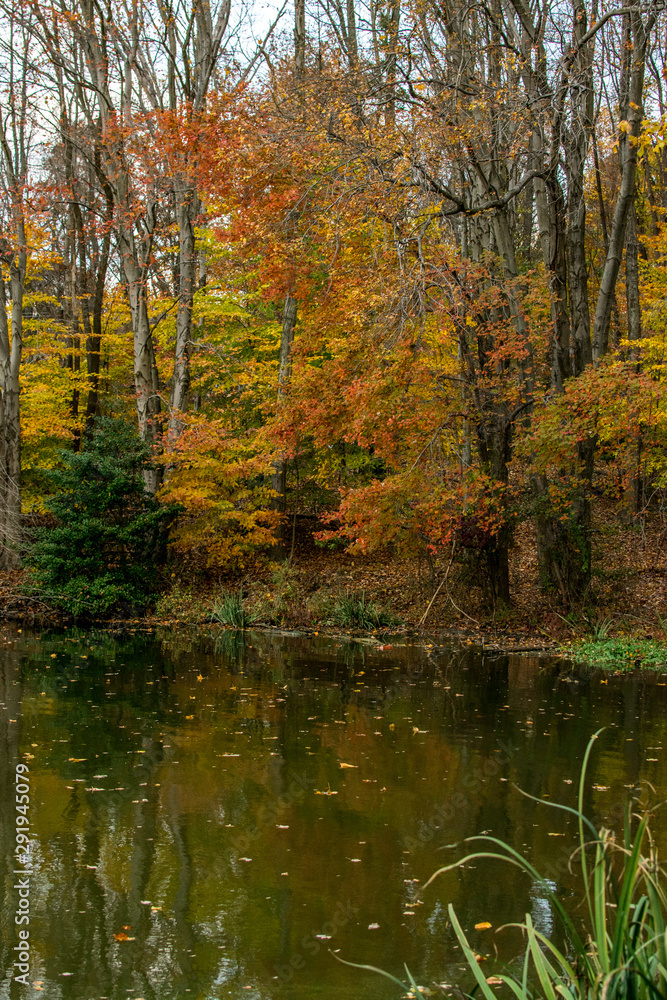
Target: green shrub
(275,602)
(229,610)
(354,612)
(108,540)
(182,602)
(621,653)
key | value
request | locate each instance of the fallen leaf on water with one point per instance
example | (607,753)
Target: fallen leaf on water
(39,984)
(374,927)
(494,980)
(123,937)
(76,760)
(199,677)
(328,792)
(483,926)
(347,765)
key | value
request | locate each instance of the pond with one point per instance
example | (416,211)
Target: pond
(219,816)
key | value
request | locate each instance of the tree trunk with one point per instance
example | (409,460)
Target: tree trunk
(149,407)
(564,547)
(186,210)
(300,38)
(279,478)
(635,491)
(11,349)
(635,36)
(494,435)
(632,275)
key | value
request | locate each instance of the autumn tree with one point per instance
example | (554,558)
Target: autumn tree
(16,128)
(138,85)
(485,118)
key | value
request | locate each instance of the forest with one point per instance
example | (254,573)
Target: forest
(362,283)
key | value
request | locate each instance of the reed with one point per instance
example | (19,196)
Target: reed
(618,951)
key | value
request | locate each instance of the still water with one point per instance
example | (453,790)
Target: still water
(216,816)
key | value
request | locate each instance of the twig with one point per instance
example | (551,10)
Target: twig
(460,610)
(440,585)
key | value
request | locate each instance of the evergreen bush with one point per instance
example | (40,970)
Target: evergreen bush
(109,538)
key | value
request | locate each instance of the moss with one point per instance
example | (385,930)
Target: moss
(620,653)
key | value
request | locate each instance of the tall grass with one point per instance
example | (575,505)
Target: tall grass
(229,610)
(357,612)
(619,950)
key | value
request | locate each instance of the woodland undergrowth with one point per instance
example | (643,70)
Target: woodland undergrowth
(324,588)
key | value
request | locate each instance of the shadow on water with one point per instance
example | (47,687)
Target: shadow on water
(211,815)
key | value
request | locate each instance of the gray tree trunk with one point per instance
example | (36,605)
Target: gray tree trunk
(11,348)
(636,35)
(186,211)
(279,478)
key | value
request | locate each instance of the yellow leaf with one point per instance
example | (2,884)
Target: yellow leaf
(347,765)
(483,926)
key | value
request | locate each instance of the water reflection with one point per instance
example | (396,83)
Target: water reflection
(213,816)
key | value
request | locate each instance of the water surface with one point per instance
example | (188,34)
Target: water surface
(215,817)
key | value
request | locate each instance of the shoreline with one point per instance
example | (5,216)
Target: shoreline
(614,655)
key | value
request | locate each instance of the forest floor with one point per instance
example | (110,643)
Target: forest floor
(628,595)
